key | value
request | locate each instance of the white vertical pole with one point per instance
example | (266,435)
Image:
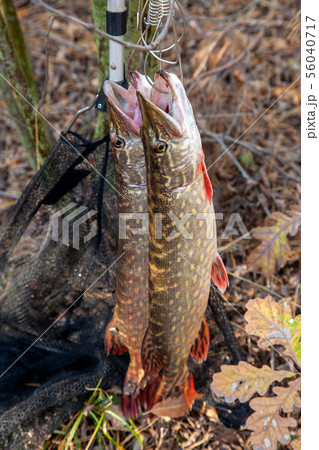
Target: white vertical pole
(116,51)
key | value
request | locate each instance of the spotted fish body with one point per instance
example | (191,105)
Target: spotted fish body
(182,258)
(127,328)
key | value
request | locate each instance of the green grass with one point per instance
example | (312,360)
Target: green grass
(92,426)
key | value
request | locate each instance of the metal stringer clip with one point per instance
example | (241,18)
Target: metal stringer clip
(152,18)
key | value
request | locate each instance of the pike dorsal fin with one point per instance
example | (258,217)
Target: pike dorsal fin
(202,171)
(219,274)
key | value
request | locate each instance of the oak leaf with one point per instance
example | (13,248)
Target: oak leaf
(296,443)
(274,324)
(274,248)
(267,425)
(243,381)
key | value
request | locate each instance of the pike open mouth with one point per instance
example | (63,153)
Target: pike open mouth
(123,104)
(167,103)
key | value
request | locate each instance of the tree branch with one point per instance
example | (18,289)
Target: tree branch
(92,27)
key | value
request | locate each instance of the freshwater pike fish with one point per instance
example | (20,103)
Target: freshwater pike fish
(126,330)
(182,243)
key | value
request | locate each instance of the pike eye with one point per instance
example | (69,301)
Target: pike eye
(118,143)
(160,147)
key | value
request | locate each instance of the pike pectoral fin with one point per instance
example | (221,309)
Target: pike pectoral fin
(199,350)
(151,359)
(190,394)
(112,340)
(219,274)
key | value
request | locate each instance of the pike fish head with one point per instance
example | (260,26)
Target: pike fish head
(171,139)
(125,120)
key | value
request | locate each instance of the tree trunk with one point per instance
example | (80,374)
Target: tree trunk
(18,87)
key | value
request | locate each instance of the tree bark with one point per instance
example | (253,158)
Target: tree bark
(18,87)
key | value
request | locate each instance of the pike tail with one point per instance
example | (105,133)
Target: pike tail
(147,395)
(152,365)
(199,350)
(219,274)
(112,340)
(175,402)
(131,406)
(130,398)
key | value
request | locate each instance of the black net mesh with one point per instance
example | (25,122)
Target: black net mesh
(57,256)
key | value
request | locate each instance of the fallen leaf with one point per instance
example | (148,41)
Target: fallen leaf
(243,381)
(170,408)
(201,57)
(274,248)
(274,324)
(296,443)
(267,425)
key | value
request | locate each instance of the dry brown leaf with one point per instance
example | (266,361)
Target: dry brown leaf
(215,59)
(274,247)
(201,57)
(274,324)
(267,425)
(243,381)
(296,443)
(172,407)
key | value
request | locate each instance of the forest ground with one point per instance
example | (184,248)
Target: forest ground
(240,59)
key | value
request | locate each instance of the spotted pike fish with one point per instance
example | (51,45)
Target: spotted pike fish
(126,330)
(182,243)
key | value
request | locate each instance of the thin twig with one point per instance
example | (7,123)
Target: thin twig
(46,49)
(250,147)
(9,195)
(43,93)
(229,64)
(220,141)
(254,283)
(235,241)
(242,102)
(93,28)
(5,113)
(257,152)
(34,29)
(230,16)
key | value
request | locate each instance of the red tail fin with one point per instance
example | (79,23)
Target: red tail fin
(147,395)
(112,340)
(219,274)
(199,350)
(190,394)
(131,406)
